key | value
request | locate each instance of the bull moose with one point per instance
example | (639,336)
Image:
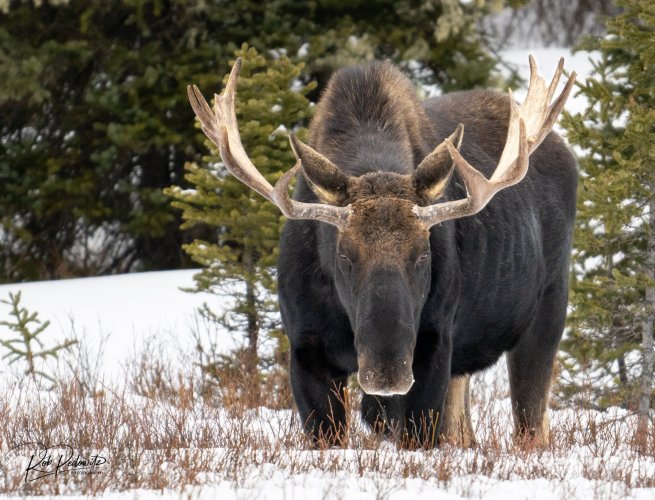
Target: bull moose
(406,260)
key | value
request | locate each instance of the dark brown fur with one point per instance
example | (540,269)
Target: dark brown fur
(369,100)
(384,292)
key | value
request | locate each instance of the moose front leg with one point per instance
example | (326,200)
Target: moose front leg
(408,428)
(411,421)
(414,420)
(457,428)
(424,406)
(424,411)
(319,392)
(383,414)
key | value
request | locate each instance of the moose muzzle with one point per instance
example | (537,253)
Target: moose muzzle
(385,378)
(385,334)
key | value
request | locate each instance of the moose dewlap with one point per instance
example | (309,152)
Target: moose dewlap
(406,260)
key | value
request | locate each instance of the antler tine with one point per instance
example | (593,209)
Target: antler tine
(234,156)
(221,127)
(337,216)
(231,86)
(555,80)
(510,152)
(281,190)
(557,106)
(203,112)
(528,126)
(553,111)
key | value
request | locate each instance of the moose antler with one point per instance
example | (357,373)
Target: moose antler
(221,126)
(529,124)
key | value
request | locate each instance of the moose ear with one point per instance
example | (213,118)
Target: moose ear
(327,181)
(433,173)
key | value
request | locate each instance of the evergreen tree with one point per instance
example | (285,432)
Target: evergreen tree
(610,347)
(239,261)
(95,119)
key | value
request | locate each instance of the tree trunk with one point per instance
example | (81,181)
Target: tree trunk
(647,354)
(252,325)
(623,371)
(252,329)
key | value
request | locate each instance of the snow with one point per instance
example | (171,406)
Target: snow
(119,312)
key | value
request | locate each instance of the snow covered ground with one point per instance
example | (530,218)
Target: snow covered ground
(117,317)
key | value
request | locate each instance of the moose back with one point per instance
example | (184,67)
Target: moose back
(406,259)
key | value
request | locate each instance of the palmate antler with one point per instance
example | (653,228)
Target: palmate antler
(529,124)
(220,125)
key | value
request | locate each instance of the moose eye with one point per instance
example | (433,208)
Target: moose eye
(343,258)
(422,258)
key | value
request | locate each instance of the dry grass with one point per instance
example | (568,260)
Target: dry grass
(164,431)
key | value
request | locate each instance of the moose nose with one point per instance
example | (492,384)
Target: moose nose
(385,377)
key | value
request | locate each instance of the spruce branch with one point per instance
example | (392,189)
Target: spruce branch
(26,345)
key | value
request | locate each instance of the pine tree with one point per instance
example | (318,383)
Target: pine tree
(95,120)
(610,347)
(240,262)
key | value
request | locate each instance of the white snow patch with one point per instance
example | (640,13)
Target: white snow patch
(127,309)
